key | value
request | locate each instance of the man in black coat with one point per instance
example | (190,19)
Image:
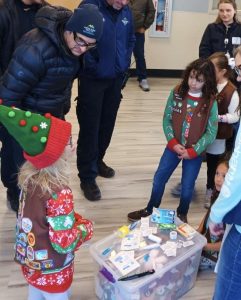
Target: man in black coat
(16,18)
(45,62)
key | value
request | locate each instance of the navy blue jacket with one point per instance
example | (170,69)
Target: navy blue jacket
(42,69)
(217,38)
(112,56)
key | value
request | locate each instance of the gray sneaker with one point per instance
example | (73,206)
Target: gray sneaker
(206,263)
(143,84)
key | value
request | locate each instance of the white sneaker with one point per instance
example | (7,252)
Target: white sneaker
(143,84)
(208,196)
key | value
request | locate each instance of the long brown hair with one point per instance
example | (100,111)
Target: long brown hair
(222,63)
(201,66)
(233,3)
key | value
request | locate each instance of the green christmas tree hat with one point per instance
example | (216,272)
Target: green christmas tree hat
(43,138)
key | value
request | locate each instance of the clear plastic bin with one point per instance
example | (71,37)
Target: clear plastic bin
(171,281)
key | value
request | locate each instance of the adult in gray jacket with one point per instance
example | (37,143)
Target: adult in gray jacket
(143,15)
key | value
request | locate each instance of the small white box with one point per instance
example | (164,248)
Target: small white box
(171,281)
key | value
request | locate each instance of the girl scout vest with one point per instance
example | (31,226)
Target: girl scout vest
(200,116)
(33,247)
(225,130)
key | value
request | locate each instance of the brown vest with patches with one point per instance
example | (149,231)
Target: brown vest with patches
(33,247)
(198,122)
(225,130)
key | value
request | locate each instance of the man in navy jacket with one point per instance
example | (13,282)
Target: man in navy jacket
(100,92)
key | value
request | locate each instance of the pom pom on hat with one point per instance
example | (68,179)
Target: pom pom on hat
(86,20)
(43,138)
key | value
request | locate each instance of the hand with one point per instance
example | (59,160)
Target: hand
(184,155)
(179,149)
(222,119)
(216,229)
(141,30)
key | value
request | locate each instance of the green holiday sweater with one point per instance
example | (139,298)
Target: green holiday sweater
(207,138)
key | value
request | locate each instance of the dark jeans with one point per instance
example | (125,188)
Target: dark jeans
(231,141)
(139,55)
(212,163)
(168,163)
(11,160)
(97,107)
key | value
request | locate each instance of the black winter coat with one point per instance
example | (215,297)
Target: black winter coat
(42,69)
(10,30)
(217,38)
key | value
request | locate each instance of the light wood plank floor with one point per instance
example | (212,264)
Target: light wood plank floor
(136,147)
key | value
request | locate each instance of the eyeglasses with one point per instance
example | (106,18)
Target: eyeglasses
(237,70)
(80,42)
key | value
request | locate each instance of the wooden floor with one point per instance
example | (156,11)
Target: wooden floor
(137,144)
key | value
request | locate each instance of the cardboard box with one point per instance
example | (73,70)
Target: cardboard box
(170,281)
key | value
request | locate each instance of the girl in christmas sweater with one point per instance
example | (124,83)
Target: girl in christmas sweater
(190,125)
(48,230)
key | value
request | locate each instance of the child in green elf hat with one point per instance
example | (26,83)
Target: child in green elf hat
(48,229)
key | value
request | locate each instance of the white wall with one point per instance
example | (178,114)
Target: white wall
(187,27)
(176,51)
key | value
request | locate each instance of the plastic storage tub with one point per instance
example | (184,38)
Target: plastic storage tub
(170,281)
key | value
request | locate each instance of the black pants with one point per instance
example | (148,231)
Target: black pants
(212,162)
(97,107)
(138,52)
(11,160)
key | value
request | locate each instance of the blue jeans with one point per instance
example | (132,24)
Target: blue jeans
(168,163)
(138,51)
(228,282)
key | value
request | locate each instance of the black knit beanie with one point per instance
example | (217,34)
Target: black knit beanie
(86,20)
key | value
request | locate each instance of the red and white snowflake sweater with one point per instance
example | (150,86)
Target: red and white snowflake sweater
(48,232)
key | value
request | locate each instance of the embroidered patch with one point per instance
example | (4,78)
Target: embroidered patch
(32,264)
(41,254)
(19,258)
(20,249)
(31,239)
(47,264)
(27,225)
(176,110)
(22,239)
(30,253)
(125,21)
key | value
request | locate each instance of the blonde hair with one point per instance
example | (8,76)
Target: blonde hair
(234,5)
(48,179)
